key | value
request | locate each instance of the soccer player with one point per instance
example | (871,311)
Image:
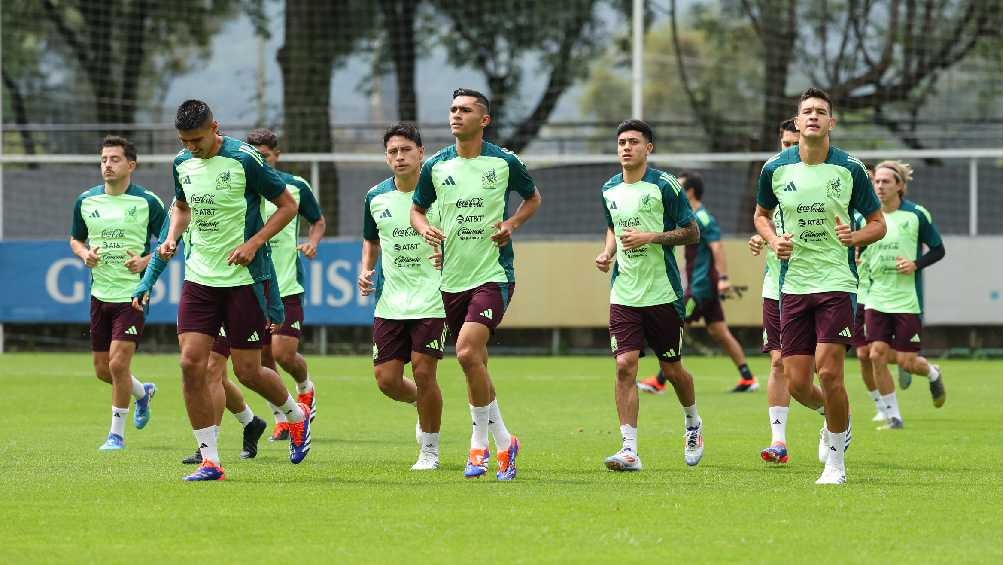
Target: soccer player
(647,214)
(409,323)
(112,226)
(472,180)
(219,183)
(816,186)
(893,313)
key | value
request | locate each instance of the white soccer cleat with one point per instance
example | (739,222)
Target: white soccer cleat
(879,417)
(623,460)
(693,445)
(824,444)
(428,460)
(832,476)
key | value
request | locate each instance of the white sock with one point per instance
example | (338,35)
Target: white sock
(821,410)
(276,413)
(305,386)
(206,438)
(479,433)
(879,403)
(291,410)
(118,421)
(246,416)
(691,418)
(933,374)
(430,441)
(495,424)
(836,457)
(139,392)
(891,406)
(629,438)
(778,423)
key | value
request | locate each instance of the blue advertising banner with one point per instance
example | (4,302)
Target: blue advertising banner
(43,282)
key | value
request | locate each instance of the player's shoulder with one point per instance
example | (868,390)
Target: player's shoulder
(785,157)
(293,180)
(911,206)
(703,216)
(445,154)
(663,180)
(91,192)
(383,187)
(241,151)
(839,157)
(614,181)
(144,193)
(182,156)
(490,149)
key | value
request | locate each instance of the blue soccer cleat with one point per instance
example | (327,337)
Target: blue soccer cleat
(507,461)
(208,471)
(141,415)
(477,464)
(776,453)
(114,442)
(299,437)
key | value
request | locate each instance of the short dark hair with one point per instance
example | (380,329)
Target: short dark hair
(788,125)
(482,99)
(118,141)
(405,130)
(813,92)
(639,126)
(869,166)
(692,181)
(262,136)
(192,114)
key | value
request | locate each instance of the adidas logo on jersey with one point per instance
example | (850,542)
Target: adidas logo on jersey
(449,181)
(846,332)
(487,313)
(253,337)
(386,214)
(613,205)
(95,214)
(915,338)
(790,187)
(132,331)
(295,325)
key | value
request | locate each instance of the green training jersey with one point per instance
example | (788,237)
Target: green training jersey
(702,277)
(472,196)
(647,275)
(285,256)
(407,284)
(906,229)
(864,279)
(772,268)
(809,198)
(224,193)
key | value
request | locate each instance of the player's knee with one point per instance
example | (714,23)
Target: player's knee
(285,358)
(878,352)
(388,383)
(118,365)
(829,378)
(627,369)
(247,373)
(469,356)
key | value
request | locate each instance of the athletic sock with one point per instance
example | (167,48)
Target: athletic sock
(933,374)
(280,418)
(778,423)
(291,410)
(495,424)
(245,416)
(629,438)
(836,456)
(691,418)
(305,386)
(892,407)
(430,441)
(479,432)
(660,377)
(139,392)
(206,438)
(877,399)
(744,372)
(118,421)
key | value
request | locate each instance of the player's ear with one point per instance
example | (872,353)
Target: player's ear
(485,120)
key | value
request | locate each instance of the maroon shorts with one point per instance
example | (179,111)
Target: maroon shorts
(660,326)
(292,324)
(114,321)
(900,331)
(771,325)
(710,310)
(485,304)
(204,309)
(221,344)
(808,319)
(858,331)
(398,339)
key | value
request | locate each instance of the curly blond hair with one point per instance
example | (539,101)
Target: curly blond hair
(902,171)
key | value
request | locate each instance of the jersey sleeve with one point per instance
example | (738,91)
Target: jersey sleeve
(309,208)
(260,177)
(928,232)
(710,231)
(370,231)
(765,196)
(677,212)
(425,191)
(606,212)
(179,192)
(158,216)
(863,197)
(78,227)
(519,178)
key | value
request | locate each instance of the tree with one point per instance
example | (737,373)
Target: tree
(398,21)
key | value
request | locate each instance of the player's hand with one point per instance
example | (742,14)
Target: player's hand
(632,239)
(273,328)
(503,233)
(433,236)
(756,244)
(724,287)
(139,302)
(91,258)
(782,246)
(136,263)
(437,257)
(604,262)
(844,233)
(365,282)
(244,253)
(308,249)
(167,249)
(905,266)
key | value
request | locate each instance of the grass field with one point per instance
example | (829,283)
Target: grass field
(928,493)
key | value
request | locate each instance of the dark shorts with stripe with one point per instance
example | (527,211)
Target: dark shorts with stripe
(114,321)
(771,325)
(808,319)
(901,331)
(221,344)
(858,331)
(660,326)
(292,324)
(710,309)
(204,309)
(485,304)
(398,339)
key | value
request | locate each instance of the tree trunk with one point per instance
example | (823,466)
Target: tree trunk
(399,27)
(20,114)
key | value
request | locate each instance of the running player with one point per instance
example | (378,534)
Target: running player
(112,226)
(647,214)
(409,324)
(816,187)
(472,180)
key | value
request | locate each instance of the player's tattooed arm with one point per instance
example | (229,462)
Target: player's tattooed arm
(680,236)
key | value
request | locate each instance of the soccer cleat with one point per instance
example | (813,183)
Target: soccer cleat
(832,476)
(824,441)
(193,459)
(281,432)
(905,378)
(938,391)
(141,414)
(776,453)
(623,460)
(879,416)
(252,433)
(693,445)
(114,442)
(652,385)
(477,463)
(207,471)
(507,461)
(892,424)
(746,385)
(308,399)
(428,460)
(299,437)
